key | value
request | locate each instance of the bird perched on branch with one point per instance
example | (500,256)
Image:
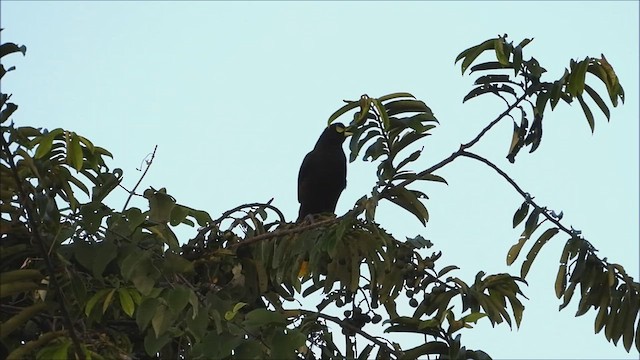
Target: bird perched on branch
(323,173)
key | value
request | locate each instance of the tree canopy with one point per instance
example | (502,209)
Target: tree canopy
(81,279)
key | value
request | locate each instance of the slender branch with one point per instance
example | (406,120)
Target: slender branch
(346,325)
(24,199)
(295,230)
(526,196)
(518,189)
(240,207)
(463,147)
(133,191)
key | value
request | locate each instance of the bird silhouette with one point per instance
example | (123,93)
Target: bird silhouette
(323,173)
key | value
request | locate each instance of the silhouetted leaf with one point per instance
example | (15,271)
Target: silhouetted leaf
(349,106)
(488,79)
(598,100)
(406,106)
(575,82)
(470,54)
(520,214)
(561,280)
(587,113)
(489,65)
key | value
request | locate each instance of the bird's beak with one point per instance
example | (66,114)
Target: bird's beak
(348,131)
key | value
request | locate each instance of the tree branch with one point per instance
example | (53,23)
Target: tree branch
(276,233)
(463,147)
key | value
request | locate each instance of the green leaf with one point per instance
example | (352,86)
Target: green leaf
(517,59)
(406,140)
(356,143)
(364,354)
(9,109)
(375,150)
(532,223)
(395,96)
(177,298)
(587,113)
(432,177)
(473,317)
(561,280)
(613,85)
(249,349)
(514,251)
(153,344)
(546,236)
(95,256)
(470,54)
(108,300)
(162,320)
(406,106)
(145,312)
(178,215)
(489,65)
(598,100)
(431,348)
(126,301)
(383,114)
(446,269)
(229,315)
(74,152)
(166,235)
(520,214)
(175,263)
(408,201)
(19,320)
(94,300)
(556,89)
(501,53)
(161,205)
(575,85)
(46,142)
(350,106)
(413,157)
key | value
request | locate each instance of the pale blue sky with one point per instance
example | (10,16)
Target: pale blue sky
(235,94)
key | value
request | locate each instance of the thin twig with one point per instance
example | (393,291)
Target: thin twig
(133,191)
(517,188)
(530,201)
(463,147)
(41,246)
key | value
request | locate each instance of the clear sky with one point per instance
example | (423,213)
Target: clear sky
(235,94)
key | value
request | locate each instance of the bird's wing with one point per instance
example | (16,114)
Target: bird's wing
(303,174)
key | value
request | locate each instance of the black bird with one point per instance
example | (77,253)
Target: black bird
(323,173)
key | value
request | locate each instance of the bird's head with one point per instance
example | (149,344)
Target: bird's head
(340,129)
(333,134)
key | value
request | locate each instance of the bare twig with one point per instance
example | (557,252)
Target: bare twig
(30,214)
(133,191)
